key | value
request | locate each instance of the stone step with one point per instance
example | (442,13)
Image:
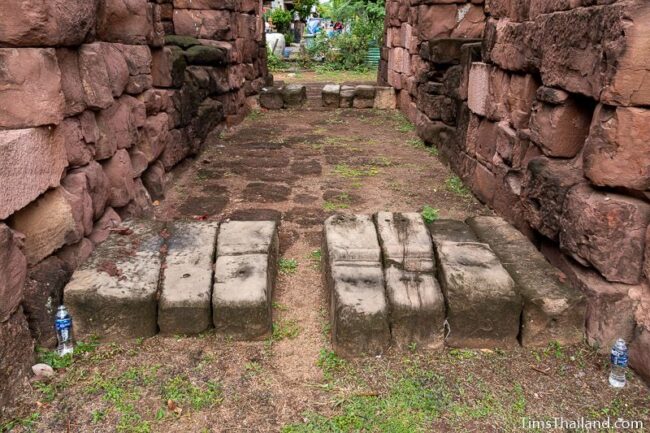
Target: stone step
(552,311)
(354,278)
(416,304)
(149,276)
(483,307)
(186,285)
(246,266)
(114,294)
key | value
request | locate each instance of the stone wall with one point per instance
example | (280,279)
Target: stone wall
(544,115)
(99,99)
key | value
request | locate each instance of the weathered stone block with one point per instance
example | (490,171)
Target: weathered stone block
(359,311)
(32,161)
(76,254)
(444,230)
(125,21)
(95,80)
(560,130)
(247,237)
(352,239)
(417,308)
(617,152)
(168,67)
(104,226)
(76,185)
(205,24)
(186,285)
(52,23)
(483,307)
(405,241)
(47,223)
(98,187)
(113,295)
(520,97)
(331,95)
(271,98)
(385,98)
(470,22)
(553,311)
(605,230)
(30,75)
(294,95)
(241,299)
(206,55)
(13,270)
(640,352)
(478,88)
(118,127)
(77,150)
(435,21)
(347,96)
(545,186)
(68,60)
(119,172)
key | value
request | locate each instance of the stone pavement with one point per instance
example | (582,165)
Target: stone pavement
(482,285)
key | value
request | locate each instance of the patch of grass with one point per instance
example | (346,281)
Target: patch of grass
(27,423)
(284,329)
(288,266)
(456,185)
(330,206)
(254,115)
(280,307)
(52,358)
(430,214)
(329,362)
(462,354)
(48,391)
(183,392)
(417,143)
(98,416)
(346,171)
(316,257)
(253,368)
(403,124)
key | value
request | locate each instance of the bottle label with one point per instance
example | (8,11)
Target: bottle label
(619,359)
(62,324)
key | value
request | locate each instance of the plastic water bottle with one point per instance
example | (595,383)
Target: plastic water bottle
(619,364)
(63,325)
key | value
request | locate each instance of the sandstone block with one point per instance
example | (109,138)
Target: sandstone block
(47,223)
(30,74)
(616,152)
(32,161)
(560,130)
(552,95)
(168,67)
(552,310)
(241,299)
(514,46)
(615,227)
(247,237)
(351,240)
(417,308)
(478,88)
(43,294)
(483,307)
(113,295)
(76,254)
(470,22)
(13,270)
(444,230)
(435,21)
(331,95)
(119,172)
(432,132)
(141,206)
(76,185)
(359,311)
(385,98)
(118,127)
(94,77)
(52,23)
(205,24)
(640,353)
(544,189)
(104,225)
(206,55)
(405,241)
(185,302)
(98,187)
(68,60)
(154,137)
(347,96)
(271,98)
(77,151)
(125,21)
(178,148)
(294,95)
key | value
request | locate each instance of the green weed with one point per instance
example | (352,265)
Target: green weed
(183,392)
(283,329)
(430,214)
(455,185)
(345,170)
(288,266)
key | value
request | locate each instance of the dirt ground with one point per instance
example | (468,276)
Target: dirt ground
(298,167)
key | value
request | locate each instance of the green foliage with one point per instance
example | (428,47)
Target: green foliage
(430,214)
(285,329)
(455,185)
(303,7)
(288,266)
(280,18)
(181,391)
(275,63)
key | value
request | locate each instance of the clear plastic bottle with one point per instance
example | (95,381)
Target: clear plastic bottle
(63,325)
(618,364)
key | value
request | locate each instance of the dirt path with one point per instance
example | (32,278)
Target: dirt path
(298,167)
